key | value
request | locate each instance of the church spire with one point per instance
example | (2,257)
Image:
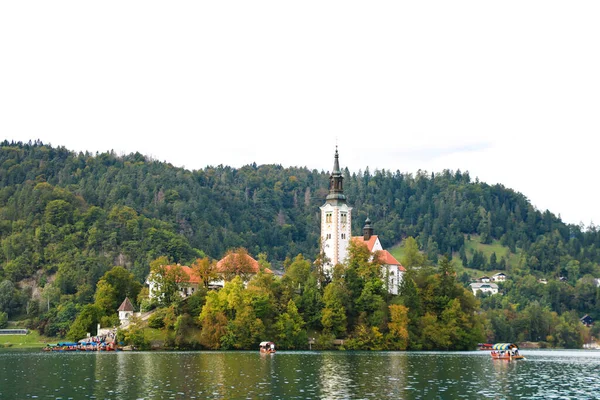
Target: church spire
(336,184)
(336,163)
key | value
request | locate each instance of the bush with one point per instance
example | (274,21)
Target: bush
(157,320)
(3,320)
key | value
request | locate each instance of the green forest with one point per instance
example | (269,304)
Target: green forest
(81,231)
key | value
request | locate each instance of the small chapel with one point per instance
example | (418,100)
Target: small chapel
(336,219)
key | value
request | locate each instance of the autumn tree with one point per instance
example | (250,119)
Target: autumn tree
(205,270)
(397,337)
(237,263)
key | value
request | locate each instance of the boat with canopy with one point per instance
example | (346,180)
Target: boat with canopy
(506,351)
(267,347)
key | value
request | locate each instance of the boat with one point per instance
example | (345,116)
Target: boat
(506,351)
(485,346)
(267,347)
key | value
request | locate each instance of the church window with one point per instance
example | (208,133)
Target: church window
(343,236)
(329,236)
(328,217)
(343,218)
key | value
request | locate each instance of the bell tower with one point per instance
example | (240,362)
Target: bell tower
(336,220)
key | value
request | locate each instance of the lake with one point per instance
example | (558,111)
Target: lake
(546,374)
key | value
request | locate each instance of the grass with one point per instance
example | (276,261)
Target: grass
(31,340)
(397,251)
(471,245)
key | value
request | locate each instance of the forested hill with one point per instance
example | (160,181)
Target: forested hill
(78,214)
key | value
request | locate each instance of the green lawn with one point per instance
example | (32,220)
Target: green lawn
(397,251)
(487,249)
(31,340)
(474,244)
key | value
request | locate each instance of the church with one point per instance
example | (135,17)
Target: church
(336,221)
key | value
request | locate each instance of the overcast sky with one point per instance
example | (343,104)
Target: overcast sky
(509,90)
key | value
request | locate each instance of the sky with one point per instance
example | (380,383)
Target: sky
(509,91)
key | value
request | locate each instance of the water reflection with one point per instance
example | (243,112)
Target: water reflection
(298,375)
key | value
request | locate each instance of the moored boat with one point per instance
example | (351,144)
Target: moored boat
(506,351)
(267,347)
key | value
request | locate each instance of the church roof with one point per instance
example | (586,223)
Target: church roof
(126,305)
(370,243)
(388,259)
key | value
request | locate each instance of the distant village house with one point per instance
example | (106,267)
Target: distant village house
(490,288)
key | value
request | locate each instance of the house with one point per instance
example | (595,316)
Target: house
(125,311)
(187,286)
(499,277)
(237,262)
(336,221)
(490,288)
(484,279)
(587,320)
(543,281)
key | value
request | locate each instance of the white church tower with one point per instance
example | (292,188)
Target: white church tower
(336,220)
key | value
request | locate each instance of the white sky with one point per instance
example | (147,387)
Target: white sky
(509,90)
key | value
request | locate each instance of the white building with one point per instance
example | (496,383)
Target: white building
(191,282)
(125,311)
(336,219)
(491,288)
(499,277)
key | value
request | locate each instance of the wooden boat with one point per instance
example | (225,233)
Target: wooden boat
(485,346)
(506,351)
(267,347)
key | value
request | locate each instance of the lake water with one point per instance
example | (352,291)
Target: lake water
(298,375)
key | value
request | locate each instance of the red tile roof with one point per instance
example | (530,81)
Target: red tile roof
(370,243)
(388,259)
(253,263)
(192,277)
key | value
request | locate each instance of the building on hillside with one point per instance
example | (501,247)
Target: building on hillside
(499,277)
(490,288)
(125,310)
(336,220)
(232,264)
(587,320)
(187,286)
(484,279)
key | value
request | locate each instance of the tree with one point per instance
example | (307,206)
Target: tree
(237,263)
(412,257)
(493,261)
(7,292)
(3,320)
(397,338)
(333,316)
(85,323)
(168,280)
(124,284)
(205,270)
(290,329)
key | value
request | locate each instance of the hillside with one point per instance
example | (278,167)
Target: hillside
(67,218)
